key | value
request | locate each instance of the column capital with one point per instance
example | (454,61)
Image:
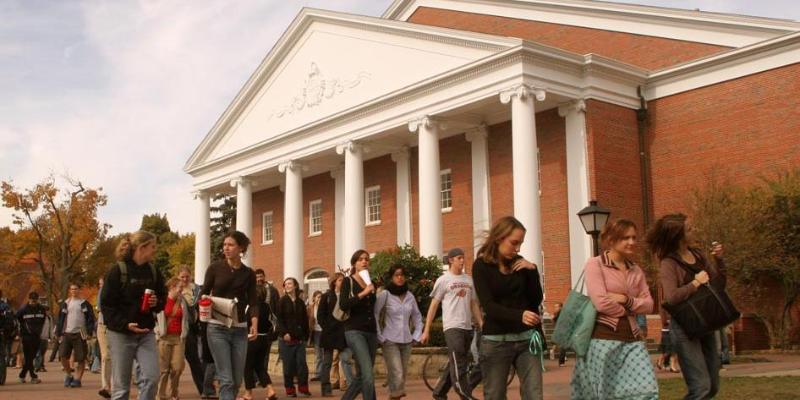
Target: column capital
(402,154)
(291,165)
(338,172)
(522,92)
(241,181)
(351,146)
(200,195)
(479,132)
(428,121)
(577,105)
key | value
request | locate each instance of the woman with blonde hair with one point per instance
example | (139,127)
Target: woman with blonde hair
(617,365)
(510,294)
(133,293)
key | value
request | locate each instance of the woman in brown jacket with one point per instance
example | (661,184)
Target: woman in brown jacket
(699,357)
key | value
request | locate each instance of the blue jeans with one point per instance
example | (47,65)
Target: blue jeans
(396,357)
(364,346)
(209,372)
(699,361)
(229,349)
(293,356)
(496,361)
(125,348)
(346,364)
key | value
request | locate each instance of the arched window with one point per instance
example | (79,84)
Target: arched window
(316,279)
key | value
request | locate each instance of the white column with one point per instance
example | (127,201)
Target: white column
(338,217)
(354,213)
(293,221)
(580,244)
(481,195)
(525,162)
(430,205)
(202,237)
(244,212)
(403,178)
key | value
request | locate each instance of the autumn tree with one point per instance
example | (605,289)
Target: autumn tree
(181,252)
(64,224)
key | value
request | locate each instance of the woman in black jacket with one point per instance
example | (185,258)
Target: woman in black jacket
(130,320)
(358,299)
(332,338)
(293,333)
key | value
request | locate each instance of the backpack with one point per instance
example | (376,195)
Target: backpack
(273,319)
(123,273)
(8,321)
(338,313)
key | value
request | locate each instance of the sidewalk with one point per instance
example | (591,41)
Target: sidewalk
(556,381)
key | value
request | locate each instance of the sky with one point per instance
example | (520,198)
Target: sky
(119,93)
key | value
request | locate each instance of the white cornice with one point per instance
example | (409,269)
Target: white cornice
(696,26)
(302,21)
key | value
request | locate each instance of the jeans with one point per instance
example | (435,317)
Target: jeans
(364,345)
(125,348)
(38,361)
(30,347)
(396,356)
(343,360)
(209,372)
(192,355)
(699,361)
(229,349)
(724,346)
(293,355)
(325,373)
(315,337)
(496,360)
(459,343)
(255,364)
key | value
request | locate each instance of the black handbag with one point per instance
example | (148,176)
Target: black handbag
(706,310)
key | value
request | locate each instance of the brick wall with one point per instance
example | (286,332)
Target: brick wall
(268,256)
(382,171)
(644,51)
(320,251)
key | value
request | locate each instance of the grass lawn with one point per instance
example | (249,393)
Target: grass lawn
(745,388)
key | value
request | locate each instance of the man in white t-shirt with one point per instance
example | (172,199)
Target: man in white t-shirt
(460,307)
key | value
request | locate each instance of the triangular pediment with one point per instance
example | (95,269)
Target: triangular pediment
(327,63)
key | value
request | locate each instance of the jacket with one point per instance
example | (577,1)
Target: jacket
(32,318)
(88,315)
(188,317)
(121,306)
(332,336)
(292,318)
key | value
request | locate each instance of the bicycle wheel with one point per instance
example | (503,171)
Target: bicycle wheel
(511,373)
(432,371)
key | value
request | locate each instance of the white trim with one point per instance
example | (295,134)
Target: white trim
(311,205)
(263,228)
(442,173)
(367,191)
(690,25)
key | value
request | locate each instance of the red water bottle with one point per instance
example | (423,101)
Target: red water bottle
(146,300)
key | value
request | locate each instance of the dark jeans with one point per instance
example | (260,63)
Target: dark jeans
(496,361)
(255,366)
(699,361)
(364,345)
(30,347)
(293,355)
(192,355)
(38,362)
(209,372)
(325,372)
(458,350)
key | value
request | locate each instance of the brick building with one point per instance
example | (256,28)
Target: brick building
(426,124)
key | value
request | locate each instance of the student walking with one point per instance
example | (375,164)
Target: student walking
(256,361)
(293,331)
(130,316)
(332,337)
(190,292)
(102,343)
(31,321)
(455,291)
(75,325)
(617,365)
(172,327)
(699,357)
(510,294)
(316,333)
(358,300)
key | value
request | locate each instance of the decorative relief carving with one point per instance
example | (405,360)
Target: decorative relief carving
(318,87)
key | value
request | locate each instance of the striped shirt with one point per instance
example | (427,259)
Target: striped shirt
(603,277)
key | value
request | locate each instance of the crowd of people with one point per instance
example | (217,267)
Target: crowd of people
(148,328)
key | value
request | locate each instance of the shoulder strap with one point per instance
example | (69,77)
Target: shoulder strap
(123,273)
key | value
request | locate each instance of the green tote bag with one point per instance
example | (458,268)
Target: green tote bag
(576,321)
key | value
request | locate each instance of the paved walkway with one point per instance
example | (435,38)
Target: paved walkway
(556,381)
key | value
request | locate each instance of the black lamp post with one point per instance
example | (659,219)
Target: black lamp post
(594,218)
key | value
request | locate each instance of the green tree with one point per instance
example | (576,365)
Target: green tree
(223,219)
(181,252)
(158,225)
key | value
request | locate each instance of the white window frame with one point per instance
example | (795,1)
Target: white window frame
(311,205)
(264,216)
(442,174)
(367,191)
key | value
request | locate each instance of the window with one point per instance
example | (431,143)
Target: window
(447,190)
(315,218)
(373,209)
(266,228)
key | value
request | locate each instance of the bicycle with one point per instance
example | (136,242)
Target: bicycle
(432,371)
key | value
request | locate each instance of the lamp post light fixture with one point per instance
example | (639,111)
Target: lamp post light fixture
(594,218)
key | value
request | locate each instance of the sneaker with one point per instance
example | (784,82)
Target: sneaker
(104,393)
(21,380)
(75,383)
(67,380)
(36,380)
